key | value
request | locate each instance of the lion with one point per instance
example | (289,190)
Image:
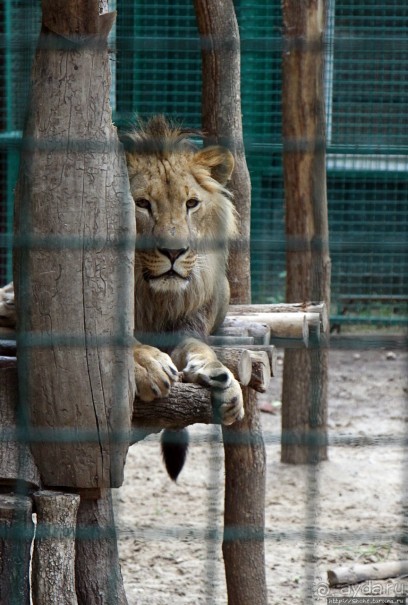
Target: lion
(185,219)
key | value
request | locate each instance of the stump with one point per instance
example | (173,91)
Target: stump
(16,534)
(53,575)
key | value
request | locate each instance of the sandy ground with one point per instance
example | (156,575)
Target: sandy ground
(353,504)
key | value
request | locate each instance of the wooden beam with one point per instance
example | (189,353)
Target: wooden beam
(283,326)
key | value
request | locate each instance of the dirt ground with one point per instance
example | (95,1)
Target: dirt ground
(353,503)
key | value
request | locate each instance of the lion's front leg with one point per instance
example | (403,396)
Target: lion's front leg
(155,372)
(200,365)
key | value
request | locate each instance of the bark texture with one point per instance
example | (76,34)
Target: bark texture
(244,512)
(53,575)
(17,466)
(304,396)
(97,570)
(16,534)
(244,458)
(354,574)
(74,257)
(222,122)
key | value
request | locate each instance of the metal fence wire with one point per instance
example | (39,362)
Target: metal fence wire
(156,68)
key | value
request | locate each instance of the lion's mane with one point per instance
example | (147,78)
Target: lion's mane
(163,163)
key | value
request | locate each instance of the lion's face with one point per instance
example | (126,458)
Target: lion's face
(183,215)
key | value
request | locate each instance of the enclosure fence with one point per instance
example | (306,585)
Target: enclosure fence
(156,68)
(156,64)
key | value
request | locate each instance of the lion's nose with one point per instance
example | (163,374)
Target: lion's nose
(172,254)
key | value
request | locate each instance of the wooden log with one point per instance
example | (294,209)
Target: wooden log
(97,569)
(244,509)
(240,326)
(261,333)
(270,350)
(314,323)
(17,466)
(186,404)
(53,574)
(222,121)
(239,361)
(308,307)
(354,574)
(304,391)
(75,230)
(249,367)
(261,371)
(230,341)
(283,326)
(16,534)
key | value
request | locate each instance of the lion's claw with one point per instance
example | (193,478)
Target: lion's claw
(154,371)
(226,391)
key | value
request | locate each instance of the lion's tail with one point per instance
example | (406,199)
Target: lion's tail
(174,445)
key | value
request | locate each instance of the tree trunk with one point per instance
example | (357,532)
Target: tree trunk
(73,269)
(222,122)
(97,570)
(304,396)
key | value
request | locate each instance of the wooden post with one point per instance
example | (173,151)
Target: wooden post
(73,269)
(53,576)
(16,534)
(304,396)
(244,515)
(222,121)
(244,463)
(97,570)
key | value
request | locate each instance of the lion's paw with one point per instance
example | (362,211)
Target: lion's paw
(226,391)
(7,307)
(229,403)
(154,372)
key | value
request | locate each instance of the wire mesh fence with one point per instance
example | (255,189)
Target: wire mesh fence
(155,59)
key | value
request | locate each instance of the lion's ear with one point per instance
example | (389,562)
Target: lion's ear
(219,160)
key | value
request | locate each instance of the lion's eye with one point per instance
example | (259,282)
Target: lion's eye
(192,203)
(142,203)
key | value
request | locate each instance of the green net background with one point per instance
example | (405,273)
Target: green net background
(156,68)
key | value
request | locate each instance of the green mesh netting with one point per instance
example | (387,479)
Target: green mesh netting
(156,61)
